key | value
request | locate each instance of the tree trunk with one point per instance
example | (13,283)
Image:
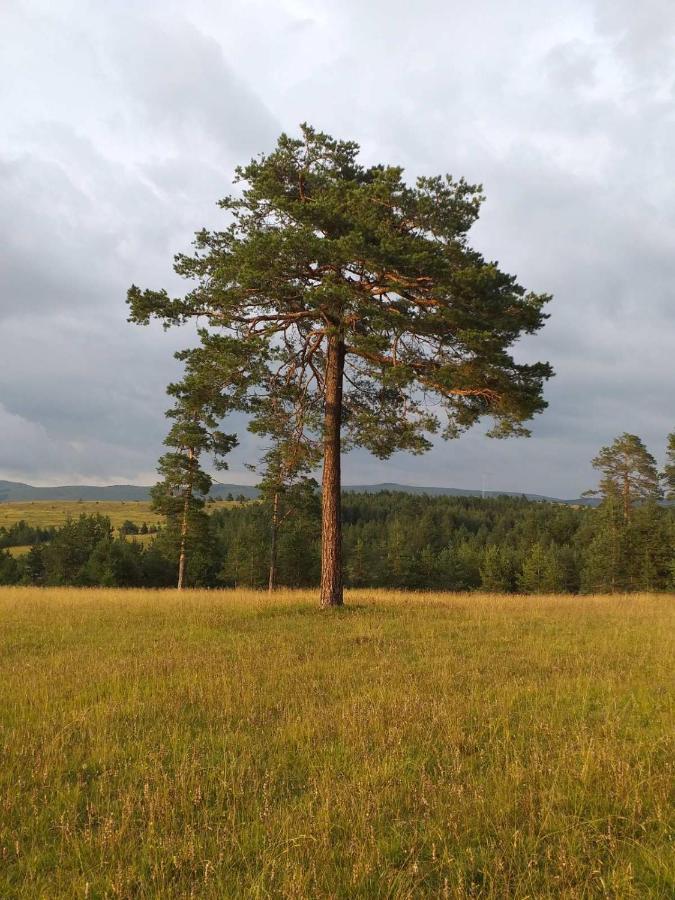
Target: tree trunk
(331,506)
(626,498)
(187,497)
(183,541)
(273,548)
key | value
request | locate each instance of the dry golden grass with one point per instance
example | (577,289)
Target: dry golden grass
(221,744)
(19,551)
(44,513)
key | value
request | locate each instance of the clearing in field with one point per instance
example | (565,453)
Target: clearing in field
(220,744)
(46,513)
(43,513)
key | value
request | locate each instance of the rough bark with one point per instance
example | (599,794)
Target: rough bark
(182,556)
(273,544)
(331,506)
(626,498)
(183,540)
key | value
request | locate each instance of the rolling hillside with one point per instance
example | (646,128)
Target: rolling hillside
(17,491)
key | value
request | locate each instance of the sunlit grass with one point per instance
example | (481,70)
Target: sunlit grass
(19,551)
(43,513)
(219,744)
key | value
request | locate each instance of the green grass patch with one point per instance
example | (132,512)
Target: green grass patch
(220,744)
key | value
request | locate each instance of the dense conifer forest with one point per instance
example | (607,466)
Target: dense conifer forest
(391,539)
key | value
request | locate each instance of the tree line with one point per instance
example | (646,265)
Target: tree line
(21,534)
(86,552)
(418,542)
(396,540)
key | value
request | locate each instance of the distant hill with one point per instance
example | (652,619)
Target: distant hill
(14,490)
(438,491)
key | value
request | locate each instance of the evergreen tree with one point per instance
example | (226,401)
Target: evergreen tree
(114,563)
(9,568)
(129,527)
(444,543)
(569,562)
(247,550)
(669,469)
(629,471)
(650,549)
(542,572)
(496,570)
(285,485)
(399,555)
(33,565)
(358,570)
(604,554)
(20,534)
(158,568)
(180,495)
(362,293)
(299,562)
(628,550)
(426,566)
(458,566)
(66,556)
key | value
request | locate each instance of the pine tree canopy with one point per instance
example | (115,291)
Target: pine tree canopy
(318,246)
(669,470)
(628,471)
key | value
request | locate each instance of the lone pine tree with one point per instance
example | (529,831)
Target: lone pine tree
(362,292)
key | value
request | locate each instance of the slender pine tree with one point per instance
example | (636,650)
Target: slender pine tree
(629,471)
(180,495)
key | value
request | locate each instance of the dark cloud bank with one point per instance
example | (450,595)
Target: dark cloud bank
(123,125)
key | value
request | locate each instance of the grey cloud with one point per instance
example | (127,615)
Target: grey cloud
(29,447)
(643,34)
(125,121)
(185,89)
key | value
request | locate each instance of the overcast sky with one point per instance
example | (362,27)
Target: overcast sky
(122,123)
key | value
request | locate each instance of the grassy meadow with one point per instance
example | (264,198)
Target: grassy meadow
(222,744)
(43,513)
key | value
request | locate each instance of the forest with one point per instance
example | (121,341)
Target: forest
(390,539)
